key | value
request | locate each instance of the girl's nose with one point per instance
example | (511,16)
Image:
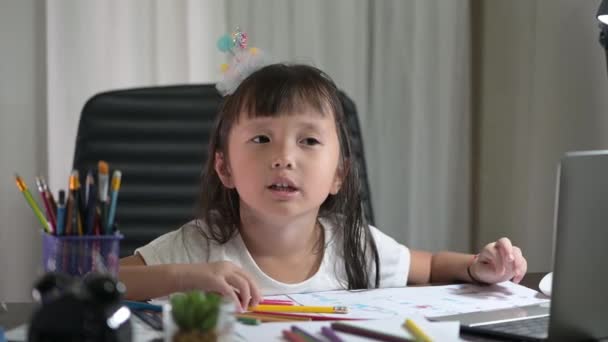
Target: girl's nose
(282,163)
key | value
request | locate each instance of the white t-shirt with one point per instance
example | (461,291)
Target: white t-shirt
(188,245)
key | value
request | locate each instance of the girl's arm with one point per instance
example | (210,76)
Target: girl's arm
(442,267)
(497,262)
(145,282)
(138,278)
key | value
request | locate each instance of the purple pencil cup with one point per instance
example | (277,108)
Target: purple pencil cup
(79,255)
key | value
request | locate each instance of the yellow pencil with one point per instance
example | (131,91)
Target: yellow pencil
(299,308)
(415,330)
(30,200)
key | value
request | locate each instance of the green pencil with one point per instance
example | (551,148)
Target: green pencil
(30,200)
(248,321)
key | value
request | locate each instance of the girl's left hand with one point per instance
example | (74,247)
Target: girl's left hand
(497,262)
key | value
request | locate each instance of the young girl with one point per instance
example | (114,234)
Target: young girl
(281,211)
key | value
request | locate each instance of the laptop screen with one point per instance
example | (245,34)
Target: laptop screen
(579,303)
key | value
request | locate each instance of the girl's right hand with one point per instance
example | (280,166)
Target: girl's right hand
(222,277)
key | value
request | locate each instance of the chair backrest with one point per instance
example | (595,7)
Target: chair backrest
(158,138)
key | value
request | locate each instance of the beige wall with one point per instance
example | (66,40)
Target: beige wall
(542,90)
(22,141)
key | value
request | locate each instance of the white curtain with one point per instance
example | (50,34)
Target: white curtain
(94,46)
(405,64)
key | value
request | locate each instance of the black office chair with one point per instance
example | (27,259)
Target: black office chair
(158,138)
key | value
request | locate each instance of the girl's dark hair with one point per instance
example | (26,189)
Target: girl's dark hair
(280,89)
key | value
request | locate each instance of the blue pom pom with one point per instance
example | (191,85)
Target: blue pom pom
(225,43)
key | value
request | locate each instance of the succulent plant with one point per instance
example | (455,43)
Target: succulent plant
(196,315)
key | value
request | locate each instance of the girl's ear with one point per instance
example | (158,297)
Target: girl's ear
(223,170)
(339,177)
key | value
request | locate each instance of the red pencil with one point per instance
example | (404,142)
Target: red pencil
(312,317)
(275,302)
(49,212)
(292,337)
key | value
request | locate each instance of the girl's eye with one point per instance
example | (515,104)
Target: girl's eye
(310,141)
(260,139)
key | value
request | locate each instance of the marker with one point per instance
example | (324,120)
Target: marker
(30,200)
(299,308)
(116,176)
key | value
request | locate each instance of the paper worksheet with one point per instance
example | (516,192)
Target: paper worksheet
(428,301)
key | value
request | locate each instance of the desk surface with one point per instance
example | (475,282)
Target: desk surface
(16,314)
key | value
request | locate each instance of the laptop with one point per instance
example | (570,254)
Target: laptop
(579,296)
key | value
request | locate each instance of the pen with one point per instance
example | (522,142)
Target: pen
(415,330)
(134,305)
(299,308)
(116,176)
(60,214)
(30,200)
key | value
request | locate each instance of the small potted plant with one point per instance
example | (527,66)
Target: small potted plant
(196,316)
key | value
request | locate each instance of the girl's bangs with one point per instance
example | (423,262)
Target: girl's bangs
(285,92)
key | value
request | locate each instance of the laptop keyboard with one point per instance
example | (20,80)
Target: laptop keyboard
(533,327)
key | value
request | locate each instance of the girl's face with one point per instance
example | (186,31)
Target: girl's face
(284,166)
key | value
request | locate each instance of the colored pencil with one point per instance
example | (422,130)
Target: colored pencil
(47,206)
(75,197)
(415,330)
(103,174)
(292,337)
(304,334)
(374,334)
(299,308)
(276,302)
(249,320)
(330,334)
(49,195)
(135,305)
(271,318)
(116,177)
(32,203)
(61,214)
(312,316)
